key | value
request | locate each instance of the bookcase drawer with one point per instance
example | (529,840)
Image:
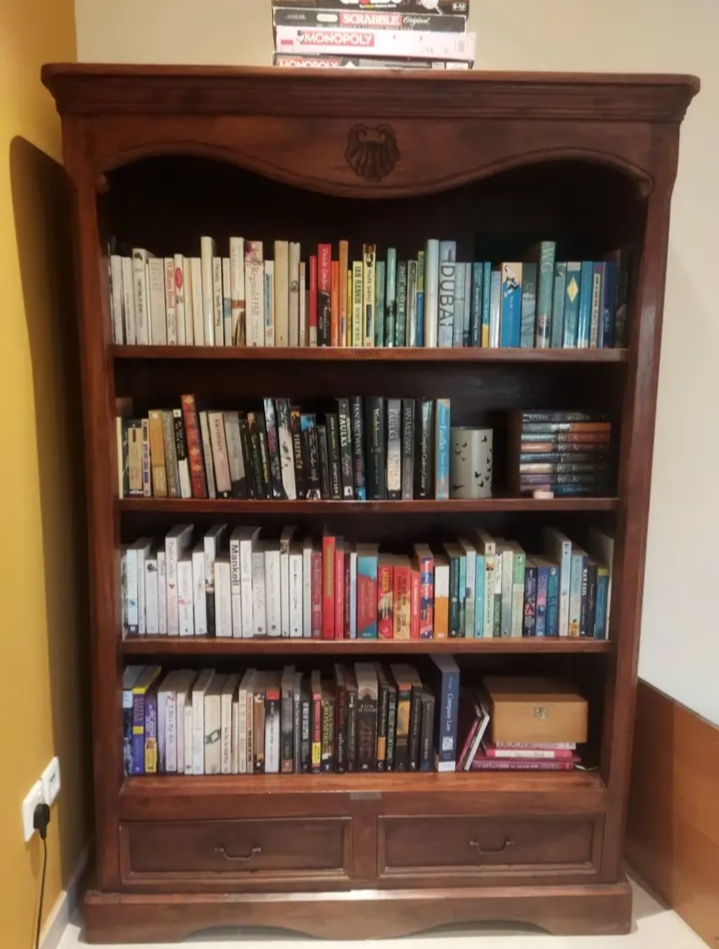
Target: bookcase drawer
(487,846)
(263,850)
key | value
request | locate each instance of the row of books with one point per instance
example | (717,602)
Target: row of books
(364,717)
(560,453)
(247,584)
(394,34)
(433,300)
(367,449)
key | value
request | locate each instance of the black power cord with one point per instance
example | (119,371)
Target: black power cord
(40,820)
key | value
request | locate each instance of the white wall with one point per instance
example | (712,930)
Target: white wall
(680,645)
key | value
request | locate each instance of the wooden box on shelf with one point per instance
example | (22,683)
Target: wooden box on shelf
(159,155)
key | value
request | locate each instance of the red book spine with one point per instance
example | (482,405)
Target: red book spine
(328,587)
(339,591)
(312,315)
(347,598)
(324,295)
(461,761)
(316,594)
(401,600)
(415,586)
(194,447)
(335,303)
(384,600)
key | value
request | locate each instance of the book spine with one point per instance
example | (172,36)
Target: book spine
(138,733)
(552,628)
(602,603)
(376,449)
(367,596)
(335,304)
(400,325)
(391,297)
(128,301)
(540,626)
(220,458)
(312,316)
(324,459)
(339,590)
(237,291)
(385,587)
(194,447)
(379,302)
(431,304)
(198,329)
(518,572)
(333,437)
(360,484)
(269,303)
(207,252)
(317,597)
(446,722)
(401,605)
(273,448)
(511,312)
(115,273)
(394,449)
(183,463)
(426,608)
(447,285)
(255,293)
(369,259)
(209,468)
(558,305)
(421,283)
(415,728)
(442,413)
(375,42)
(545,289)
(371,19)
(366,734)
(150,750)
(596,311)
(530,600)
(281,290)
(307,589)
(584,316)
(218,302)
(529,306)
(328,587)
(411,320)
(357,303)
(408,443)
(343,303)
(324,288)
(346,461)
(475,320)
(571,305)
(156,303)
(609,304)
(428,705)
(171,304)
(424,477)
(170,452)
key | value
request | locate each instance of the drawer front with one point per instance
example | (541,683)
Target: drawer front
(488,846)
(207,850)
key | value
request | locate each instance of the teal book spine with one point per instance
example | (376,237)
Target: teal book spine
(475,316)
(367,586)
(462,597)
(400,324)
(600,617)
(571,305)
(442,449)
(584,320)
(529,305)
(545,254)
(379,309)
(553,602)
(558,306)
(596,317)
(511,318)
(479,583)
(390,300)
(421,277)
(486,294)
(458,318)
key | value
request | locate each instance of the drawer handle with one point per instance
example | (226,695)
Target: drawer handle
(486,853)
(255,852)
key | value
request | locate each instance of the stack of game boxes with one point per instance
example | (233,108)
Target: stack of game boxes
(379,34)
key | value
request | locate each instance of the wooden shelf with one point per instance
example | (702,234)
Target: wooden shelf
(206,646)
(412,354)
(190,506)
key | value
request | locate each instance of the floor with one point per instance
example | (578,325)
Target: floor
(655,928)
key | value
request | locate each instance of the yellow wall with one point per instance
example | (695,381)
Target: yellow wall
(42,558)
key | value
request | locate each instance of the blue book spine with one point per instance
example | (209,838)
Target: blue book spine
(511,318)
(390,299)
(138,733)
(596,317)
(545,254)
(540,626)
(495,308)
(475,316)
(400,323)
(560,289)
(446,714)
(421,277)
(571,305)
(367,581)
(441,480)
(552,602)
(447,263)
(458,318)
(486,292)
(600,618)
(530,600)
(609,304)
(529,305)
(479,579)
(127,721)
(584,320)
(379,314)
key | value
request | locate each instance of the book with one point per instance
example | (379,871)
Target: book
(255,293)
(444,678)
(529,305)
(324,288)
(447,267)
(367,564)
(544,254)
(358,441)
(375,434)
(367,699)
(369,259)
(511,305)
(142,687)
(445,45)
(385,592)
(394,449)
(442,434)
(408,448)
(391,297)
(400,326)
(424,451)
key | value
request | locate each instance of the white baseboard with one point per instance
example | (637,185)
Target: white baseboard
(64,907)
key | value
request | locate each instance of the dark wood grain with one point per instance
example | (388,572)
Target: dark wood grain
(159,155)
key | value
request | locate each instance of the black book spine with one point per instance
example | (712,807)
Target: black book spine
(402,728)
(408,441)
(341,728)
(376,449)
(273,448)
(247,458)
(584,608)
(284,438)
(333,435)
(425,758)
(415,728)
(366,734)
(351,730)
(324,463)
(454,610)
(591,599)
(297,729)
(286,733)
(424,467)
(391,726)
(328,731)
(343,413)
(306,743)
(310,449)
(299,458)
(382,721)
(180,443)
(264,456)
(394,449)
(360,480)
(255,447)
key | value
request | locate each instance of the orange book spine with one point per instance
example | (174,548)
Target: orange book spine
(335,304)
(401,598)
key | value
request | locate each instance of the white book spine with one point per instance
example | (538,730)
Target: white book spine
(226,736)
(259,612)
(188,734)
(158,315)
(131,586)
(234,728)
(152,612)
(116,299)
(340,42)
(269,303)
(273,583)
(282,293)
(218,306)
(185,610)
(560,548)
(128,302)
(199,601)
(189,331)
(431,294)
(170,732)
(445,305)
(240,737)
(248,624)
(272,743)
(213,733)
(198,732)
(141,615)
(207,252)
(161,593)
(236,585)
(178,274)
(171,302)
(285,583)
(293,338)
(198,316)
(353,594)
(226,302)
(296,618)
(237,290)
(148,302)
(140,293)
(307,590)
(223,599)
(175,543)
(302,335)
(180,726)
(255,293)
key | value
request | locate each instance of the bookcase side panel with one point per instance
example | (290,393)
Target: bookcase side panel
(99,428)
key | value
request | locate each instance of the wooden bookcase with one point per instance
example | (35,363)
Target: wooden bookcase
(158,156)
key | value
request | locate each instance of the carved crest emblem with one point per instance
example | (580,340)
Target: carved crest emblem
(372,153)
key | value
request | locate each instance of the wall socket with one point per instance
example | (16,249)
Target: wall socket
(51,782)
(44,791)
(28,809)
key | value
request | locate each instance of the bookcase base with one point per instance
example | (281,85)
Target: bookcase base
(358,914)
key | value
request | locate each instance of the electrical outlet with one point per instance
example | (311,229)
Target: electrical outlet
(51,782)
(28,809)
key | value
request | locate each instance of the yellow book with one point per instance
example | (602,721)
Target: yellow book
(157,454)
